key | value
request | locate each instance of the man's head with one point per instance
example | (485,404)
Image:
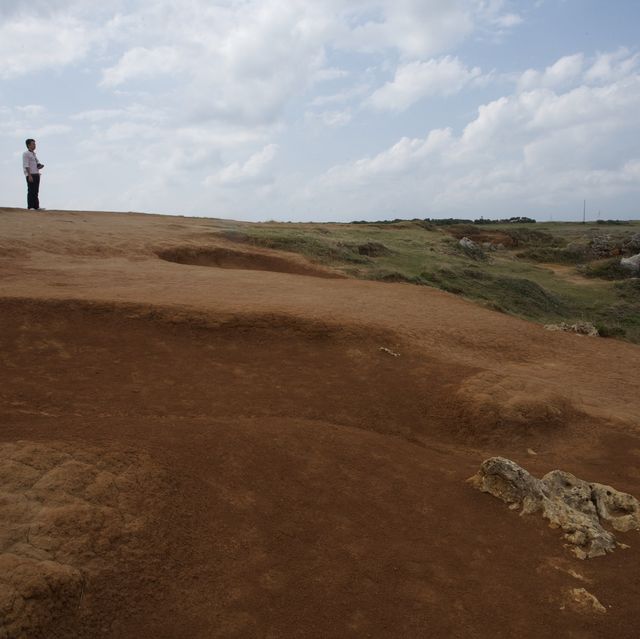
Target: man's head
(31,144)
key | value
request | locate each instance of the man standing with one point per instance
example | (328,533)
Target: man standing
(32,168)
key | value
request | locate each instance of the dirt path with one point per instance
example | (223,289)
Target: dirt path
(568,273)
(209,450)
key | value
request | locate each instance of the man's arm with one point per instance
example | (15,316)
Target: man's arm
(25,166)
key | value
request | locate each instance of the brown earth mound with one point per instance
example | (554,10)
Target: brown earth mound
(229,258)
(223,452)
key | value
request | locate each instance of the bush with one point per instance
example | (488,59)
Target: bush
(395,276)
(628,289)
(372,249)
(607,269)
(524,296)
(533,237)
(553,255)
(610,330)
(507,294)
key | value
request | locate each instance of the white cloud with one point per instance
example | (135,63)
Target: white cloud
(31,110)
(239,62)
(416,29)
(509,20)
(31,44)
(142,62)
(98,115)
(575,70)
(30,120)
(402,157)
(416,80)
(612,66)
(341,97)
(330,119)
(330,73)
(49,130)
(565,71)
(538,147)
(254,169)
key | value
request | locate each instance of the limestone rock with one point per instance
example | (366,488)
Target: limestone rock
(602,246)
(580,328)
(472,249)
(466,243)
(567,502)
(583,601)
(631,263)
(632,245)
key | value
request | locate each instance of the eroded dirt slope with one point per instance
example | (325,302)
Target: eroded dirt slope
(211,450)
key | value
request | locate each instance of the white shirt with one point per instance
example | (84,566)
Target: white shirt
(30,163)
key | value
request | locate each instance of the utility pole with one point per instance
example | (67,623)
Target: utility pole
(584,211)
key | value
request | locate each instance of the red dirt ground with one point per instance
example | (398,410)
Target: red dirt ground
(214,444)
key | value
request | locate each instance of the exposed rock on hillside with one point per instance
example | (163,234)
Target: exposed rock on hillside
(581,328)
(631,263)
(602,246)
(632,245)
(466,243)
(471,249)
(578,507)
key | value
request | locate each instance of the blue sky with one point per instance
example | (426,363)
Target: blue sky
(334,110)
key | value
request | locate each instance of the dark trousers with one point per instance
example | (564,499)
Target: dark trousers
(33,189)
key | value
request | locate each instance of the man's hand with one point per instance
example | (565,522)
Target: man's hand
(29,178)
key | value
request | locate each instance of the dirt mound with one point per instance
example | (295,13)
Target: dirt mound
(498,408)
(123,359)
(233,259)
(65,515)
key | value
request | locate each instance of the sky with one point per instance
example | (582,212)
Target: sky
(332,110)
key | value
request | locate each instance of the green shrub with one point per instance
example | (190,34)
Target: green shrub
(370,249)
(607,269)
(533,237)
(395,276)
(610,330)
(628,289)
(525,297)
(573,254)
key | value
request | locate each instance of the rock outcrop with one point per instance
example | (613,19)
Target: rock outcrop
(602,246)
(468,244)
(632,245)
(631,263)
(580,328)
(578,507)
(472,249)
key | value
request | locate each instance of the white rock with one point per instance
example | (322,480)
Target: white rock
(576,506)
(631,263)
